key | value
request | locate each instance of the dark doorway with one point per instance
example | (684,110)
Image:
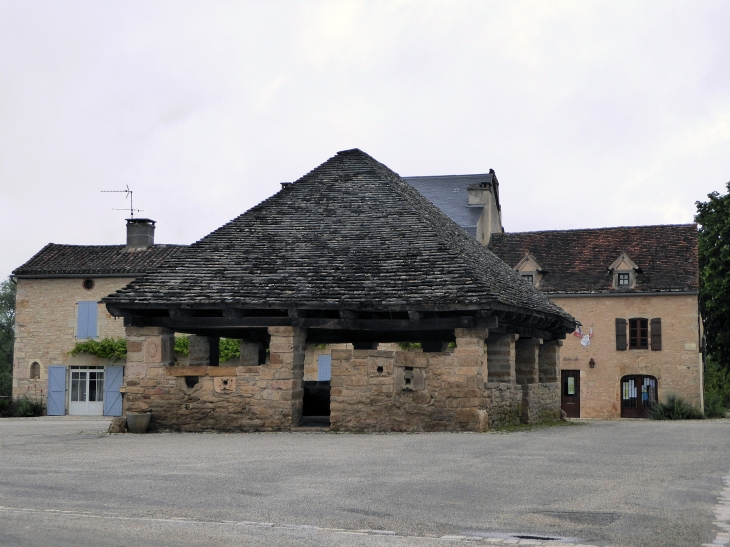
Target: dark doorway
(638,393)
(316,409)
(570,393)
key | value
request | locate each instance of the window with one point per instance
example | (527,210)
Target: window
(86,320)
(624,280)
(35,371)
(529,278)
(88,284)
(638,333)
(641,332)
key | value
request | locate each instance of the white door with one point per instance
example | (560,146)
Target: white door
(86,396)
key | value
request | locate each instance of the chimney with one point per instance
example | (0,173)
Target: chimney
(486,195)
(140,233)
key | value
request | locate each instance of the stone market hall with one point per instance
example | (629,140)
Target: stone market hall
(349,253)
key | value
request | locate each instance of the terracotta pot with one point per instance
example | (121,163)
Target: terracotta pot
(138,422)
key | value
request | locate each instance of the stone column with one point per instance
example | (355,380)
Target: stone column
(501,358)
(526,352)
(549,362)
(199,348)
(149,349)
(249,353)
(284,376)
(470,363)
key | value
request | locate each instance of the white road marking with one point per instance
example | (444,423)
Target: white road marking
(312,528)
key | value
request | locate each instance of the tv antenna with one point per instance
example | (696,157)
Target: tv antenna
(128,193)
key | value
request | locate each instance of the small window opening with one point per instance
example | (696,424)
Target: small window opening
(225,382)
(35,371)
(623,280)
(191,381)
(380,370)
(409,368)
(88,284)
(528,278)
(408,381)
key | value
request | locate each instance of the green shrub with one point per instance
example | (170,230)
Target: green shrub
(717,383)
(714,407)
(675,408)
(21,407)
(182,345)
(229,348)
(108,348)
(405,346)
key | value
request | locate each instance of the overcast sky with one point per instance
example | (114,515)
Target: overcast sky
(591,113)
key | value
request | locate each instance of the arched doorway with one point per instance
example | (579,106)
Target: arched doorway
(638,393)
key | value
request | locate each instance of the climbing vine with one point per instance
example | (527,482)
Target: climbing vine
(113,349)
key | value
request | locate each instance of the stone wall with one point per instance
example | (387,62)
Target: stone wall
(201,398)
(677,366)
(540,403)
(46,320)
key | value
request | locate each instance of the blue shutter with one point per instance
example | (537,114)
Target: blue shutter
(56,391)
(113,377)
(86,326)
(324,368)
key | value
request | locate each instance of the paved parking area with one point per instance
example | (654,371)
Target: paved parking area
(639,483)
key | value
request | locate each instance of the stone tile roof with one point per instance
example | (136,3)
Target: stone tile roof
(449,193)
(77,260)
(577,261)
(351,233)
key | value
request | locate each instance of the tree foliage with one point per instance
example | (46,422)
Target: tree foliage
(713,216)
(7,336)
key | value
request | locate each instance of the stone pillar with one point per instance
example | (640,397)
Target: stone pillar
(526,352)
(470,363)
(249,353)
(199,347)
(549,362)
(285,376)
(149,349)
(501,358)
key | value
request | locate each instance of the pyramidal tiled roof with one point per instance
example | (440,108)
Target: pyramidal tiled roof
(77,260)
(351,233)
(578,261)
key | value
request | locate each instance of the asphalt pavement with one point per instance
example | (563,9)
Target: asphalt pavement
(65,481)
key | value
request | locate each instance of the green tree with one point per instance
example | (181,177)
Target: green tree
(7,336)
(713,216)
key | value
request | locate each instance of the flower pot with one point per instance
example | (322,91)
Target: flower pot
(138,422)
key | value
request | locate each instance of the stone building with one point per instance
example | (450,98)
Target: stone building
(57,305)
(635,292)
(349,253)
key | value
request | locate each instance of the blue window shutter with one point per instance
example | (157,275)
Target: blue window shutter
(56,391)
(86,326)
(113,376)
(93,308)
(324,368)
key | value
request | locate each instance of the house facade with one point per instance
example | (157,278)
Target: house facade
(57,305)
(635,292)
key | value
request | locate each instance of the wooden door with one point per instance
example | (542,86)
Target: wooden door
(638,393)
(570,393)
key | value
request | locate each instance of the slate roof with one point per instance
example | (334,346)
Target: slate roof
(449,193)
(577,261)
(81,260)
(351,233)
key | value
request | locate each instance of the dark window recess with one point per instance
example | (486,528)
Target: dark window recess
(527,277)
(656,334)
(638,333)
(35,371)
(620,334)
(191,381)
(623,280)
(88,284)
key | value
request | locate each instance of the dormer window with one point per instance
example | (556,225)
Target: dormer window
(530,270)
(624,272)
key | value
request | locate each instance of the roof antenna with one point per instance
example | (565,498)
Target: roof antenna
(128,193)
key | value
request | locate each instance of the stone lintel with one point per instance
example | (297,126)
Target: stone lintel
(200,371)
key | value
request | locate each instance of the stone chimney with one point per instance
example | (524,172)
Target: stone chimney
(486,194)
(140,233)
